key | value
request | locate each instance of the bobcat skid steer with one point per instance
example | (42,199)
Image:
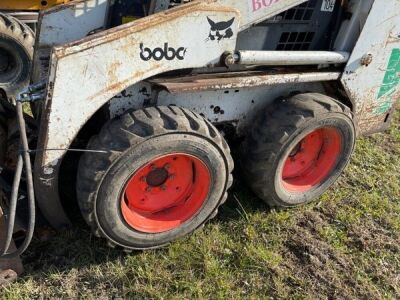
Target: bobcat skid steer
(136,115)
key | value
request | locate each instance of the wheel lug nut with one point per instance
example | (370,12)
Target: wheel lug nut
(143,178)
(148,189)
(167,166)
(153,167)
(163,187)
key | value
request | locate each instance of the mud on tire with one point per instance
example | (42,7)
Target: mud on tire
(141,142)
(297,148)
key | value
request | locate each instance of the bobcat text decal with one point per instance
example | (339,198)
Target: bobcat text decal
(220,30)
(256,5)
(159,53)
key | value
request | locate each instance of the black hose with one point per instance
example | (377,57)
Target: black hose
(29,180)
(13,204)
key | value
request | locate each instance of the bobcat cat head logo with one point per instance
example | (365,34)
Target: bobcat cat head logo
(220,30)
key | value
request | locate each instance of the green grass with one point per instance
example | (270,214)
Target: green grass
(345,245)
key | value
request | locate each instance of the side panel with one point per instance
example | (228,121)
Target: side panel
(63,24)
(255,11)
(70,22)
(372,75)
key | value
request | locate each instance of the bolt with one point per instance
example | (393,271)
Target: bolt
(167,166)
(366,59)
(148,189)
(230,60)
(163,187)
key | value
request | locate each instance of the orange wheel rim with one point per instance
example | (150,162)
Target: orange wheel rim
(312,160)
(165,193)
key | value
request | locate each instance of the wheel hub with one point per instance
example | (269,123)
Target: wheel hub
(157,177)
(312,160)
(165,193)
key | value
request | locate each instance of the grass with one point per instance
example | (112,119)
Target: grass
(345,245)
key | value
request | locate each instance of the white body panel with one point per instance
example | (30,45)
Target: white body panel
(364,79)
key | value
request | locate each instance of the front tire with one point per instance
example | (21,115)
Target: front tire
(167,173)
(16,53)
(298,148)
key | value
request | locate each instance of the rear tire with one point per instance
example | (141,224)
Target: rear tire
(297,149)
(16,53)
(167,173)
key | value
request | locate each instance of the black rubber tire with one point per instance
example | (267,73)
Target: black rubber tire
(277,130)
(134,139)
(17,40)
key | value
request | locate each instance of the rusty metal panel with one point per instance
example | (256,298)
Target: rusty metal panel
(372,75)
(237,80)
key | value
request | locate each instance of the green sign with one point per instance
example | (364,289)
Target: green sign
(390,83)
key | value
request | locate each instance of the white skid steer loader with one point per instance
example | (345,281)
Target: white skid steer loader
(133,101)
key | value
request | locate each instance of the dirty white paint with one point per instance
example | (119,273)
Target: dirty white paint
(70,22)
(236,105)
(85,75)
(289,58)
(255,11)
(380,36)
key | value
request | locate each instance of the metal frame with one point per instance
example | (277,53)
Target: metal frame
(85,74)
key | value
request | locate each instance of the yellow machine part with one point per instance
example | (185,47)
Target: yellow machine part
(29,4)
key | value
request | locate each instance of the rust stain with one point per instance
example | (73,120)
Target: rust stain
(237,80)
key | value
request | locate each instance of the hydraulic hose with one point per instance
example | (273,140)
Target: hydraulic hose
(24,156)
(13,204)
